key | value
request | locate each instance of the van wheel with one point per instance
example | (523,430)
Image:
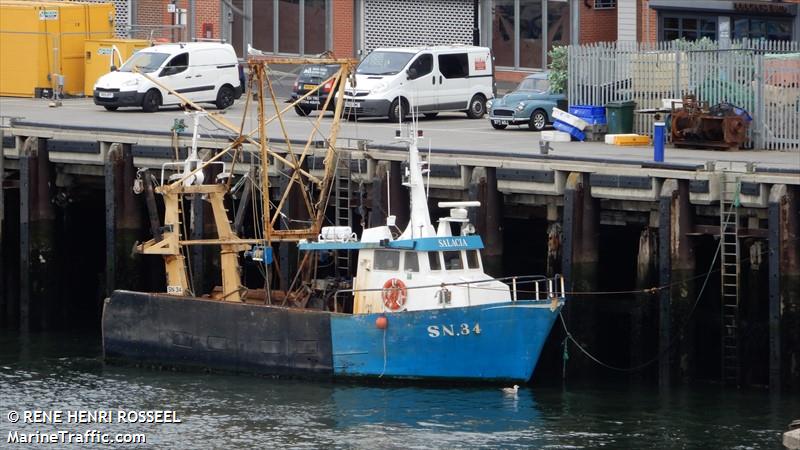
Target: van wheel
(498,126)
(477,107)
(302,112)
(394,110)
(431,115)
(151,101)
(225,97)
(111,108)
(538,120)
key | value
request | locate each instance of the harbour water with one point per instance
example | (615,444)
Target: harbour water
(65,372)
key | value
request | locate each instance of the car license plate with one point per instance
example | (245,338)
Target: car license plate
(309,87)
(352,105)
(106,94)
(502,122)
(311,101)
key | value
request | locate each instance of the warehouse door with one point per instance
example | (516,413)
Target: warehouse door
(389,23)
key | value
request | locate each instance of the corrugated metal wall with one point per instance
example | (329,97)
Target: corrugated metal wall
(405,23)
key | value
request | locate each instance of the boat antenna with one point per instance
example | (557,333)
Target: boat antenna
(428,186)
(388,194)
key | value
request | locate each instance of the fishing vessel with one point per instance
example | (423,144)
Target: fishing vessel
(419,305)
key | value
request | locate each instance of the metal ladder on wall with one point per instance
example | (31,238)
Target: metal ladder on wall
(729,234)
(343,213)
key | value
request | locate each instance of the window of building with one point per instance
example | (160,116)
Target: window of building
(452,260)
(524,30)
(473,259)
(761,28)
(387,260)
(410,262)
(605,4)
(454,66)
(433,259)
(301,26)
(688,28)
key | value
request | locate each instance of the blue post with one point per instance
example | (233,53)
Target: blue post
(658,142)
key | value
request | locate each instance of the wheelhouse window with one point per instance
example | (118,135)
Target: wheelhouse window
(433,260)
(387,260)
(473,259)
(410,262)
(452,260)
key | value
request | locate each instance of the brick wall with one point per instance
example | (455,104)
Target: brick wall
(648,22)
(597,25)
(343,37)
(154,12)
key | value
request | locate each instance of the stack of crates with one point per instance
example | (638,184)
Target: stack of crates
(595,116)
(569,123)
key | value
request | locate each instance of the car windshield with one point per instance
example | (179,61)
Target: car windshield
(383,63)
(534,84)
(145,61)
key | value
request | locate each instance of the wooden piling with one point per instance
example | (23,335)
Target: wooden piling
(37,237)
(676,270)
(4,300)
(580,259)
(123,220)
(489,219)
(378,206)
(641,310)
(784,288)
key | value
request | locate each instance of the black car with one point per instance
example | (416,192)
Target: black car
(309,78)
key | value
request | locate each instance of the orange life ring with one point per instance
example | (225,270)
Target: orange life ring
(394,294)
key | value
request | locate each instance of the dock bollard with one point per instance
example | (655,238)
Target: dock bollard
(658,142)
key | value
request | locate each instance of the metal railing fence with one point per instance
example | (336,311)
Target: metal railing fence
(762,77)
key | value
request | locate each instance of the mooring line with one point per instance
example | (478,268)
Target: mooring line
(663,352)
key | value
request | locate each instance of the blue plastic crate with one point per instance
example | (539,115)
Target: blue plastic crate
(594,115)
(567,128)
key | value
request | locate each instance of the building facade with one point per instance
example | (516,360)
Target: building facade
(519,32)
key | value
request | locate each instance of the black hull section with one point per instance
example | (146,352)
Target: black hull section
(210,334)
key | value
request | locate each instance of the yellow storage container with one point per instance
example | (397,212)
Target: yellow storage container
(39,39)
(631,139)
(99,55)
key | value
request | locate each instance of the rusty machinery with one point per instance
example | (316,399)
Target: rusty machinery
(722,126)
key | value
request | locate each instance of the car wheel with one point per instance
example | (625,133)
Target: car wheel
(394,110)
(225,97)
(301,111)
(151,101)
(111,108)
(431,115)
(498,126)
(477,107)
(538,120)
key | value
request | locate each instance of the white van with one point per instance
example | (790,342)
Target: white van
(200,71)
(431,79)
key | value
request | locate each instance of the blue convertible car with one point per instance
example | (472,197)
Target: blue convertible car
(531,103)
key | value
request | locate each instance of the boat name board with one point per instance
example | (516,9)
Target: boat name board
(463,329)
(440,243)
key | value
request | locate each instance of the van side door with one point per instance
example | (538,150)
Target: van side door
(454,87)
(177,76)
(421,85)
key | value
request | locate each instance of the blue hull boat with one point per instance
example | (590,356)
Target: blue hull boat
(416,303)
(497,342)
